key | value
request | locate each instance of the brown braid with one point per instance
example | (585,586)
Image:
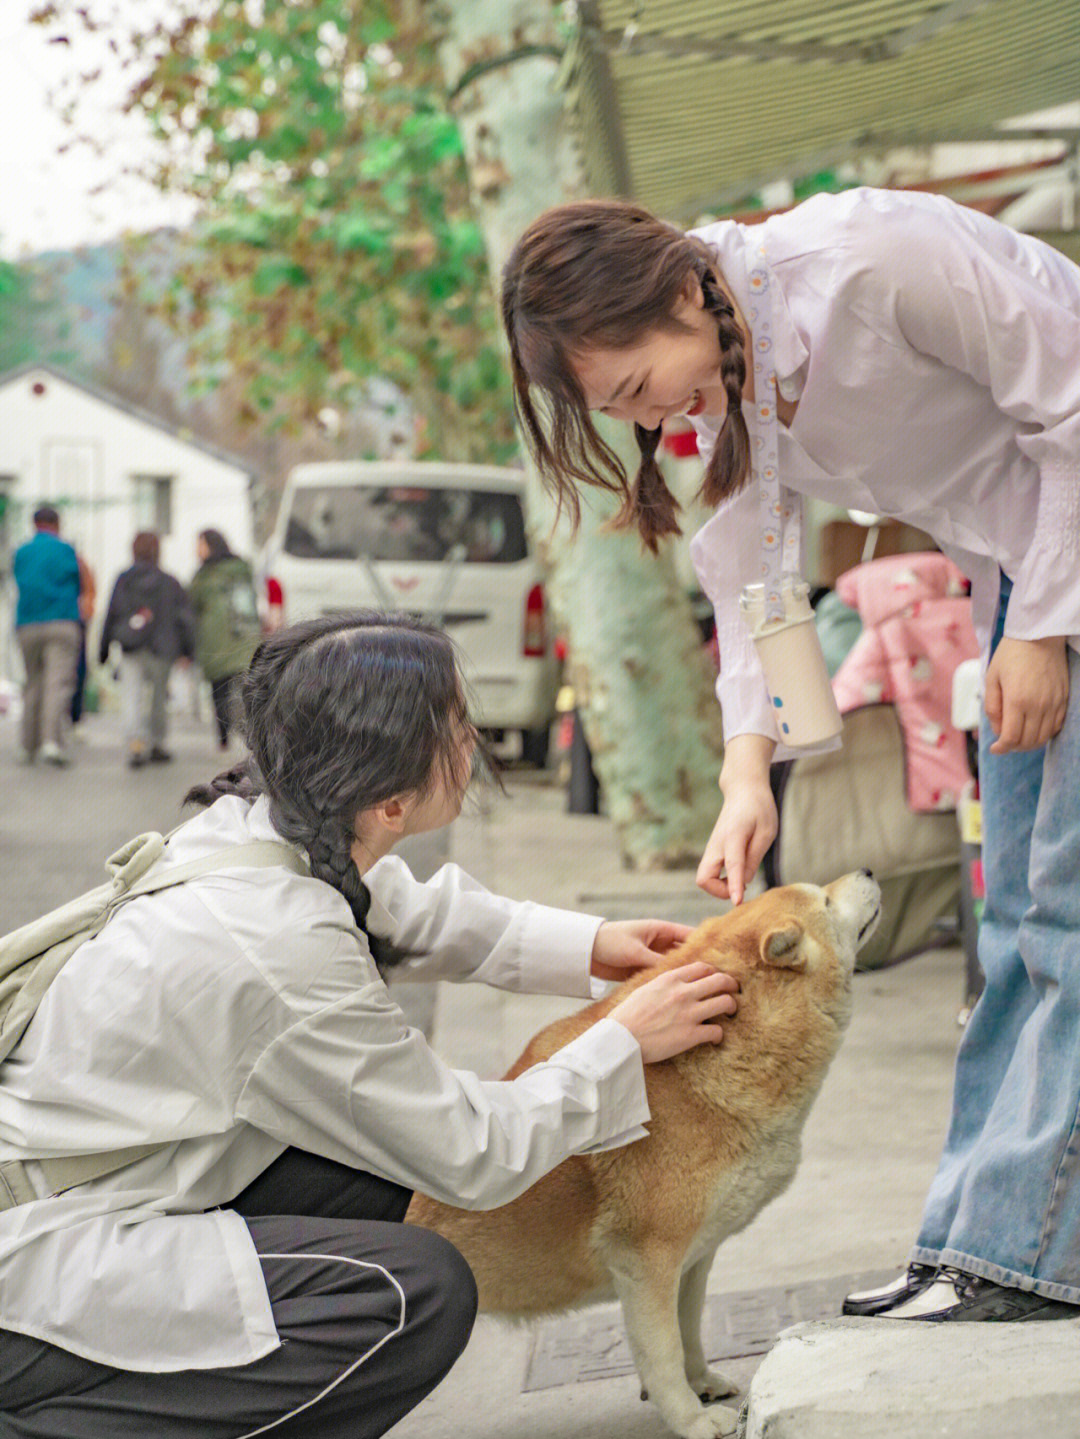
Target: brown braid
(649,503)
(729,465)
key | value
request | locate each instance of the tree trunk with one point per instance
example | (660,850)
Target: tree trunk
(643,683)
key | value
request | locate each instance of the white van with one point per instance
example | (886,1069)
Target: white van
(444,541)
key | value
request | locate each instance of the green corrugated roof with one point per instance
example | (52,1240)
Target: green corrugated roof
(704,100)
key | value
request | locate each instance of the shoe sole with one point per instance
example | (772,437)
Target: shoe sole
(977,1314)
(969,1299)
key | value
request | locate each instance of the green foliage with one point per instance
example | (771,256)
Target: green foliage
(821,182)
(32,325)
(337,238)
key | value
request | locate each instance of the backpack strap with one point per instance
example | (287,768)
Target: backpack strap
(67,1171)
(257,854)
(64,1173)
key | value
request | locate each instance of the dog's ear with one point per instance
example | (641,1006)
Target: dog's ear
(783,947)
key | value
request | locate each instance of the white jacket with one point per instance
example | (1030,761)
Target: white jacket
(935,357)
(237,1015)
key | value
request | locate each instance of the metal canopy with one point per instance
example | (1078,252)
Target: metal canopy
(695,103)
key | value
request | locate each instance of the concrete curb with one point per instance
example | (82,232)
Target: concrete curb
(862,1379)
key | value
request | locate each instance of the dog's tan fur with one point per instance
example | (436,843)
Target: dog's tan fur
(644,1220)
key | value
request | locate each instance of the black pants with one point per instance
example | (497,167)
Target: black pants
(223,692)
(372,1314)
(79,692)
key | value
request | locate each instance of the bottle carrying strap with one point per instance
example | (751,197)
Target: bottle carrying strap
(781,508)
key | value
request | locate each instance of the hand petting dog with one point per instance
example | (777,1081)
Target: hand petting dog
(625,945)
(677,1009)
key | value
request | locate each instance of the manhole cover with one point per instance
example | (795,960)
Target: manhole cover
(591,1343)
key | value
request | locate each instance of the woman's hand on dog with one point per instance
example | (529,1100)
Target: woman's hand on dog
(623,946)
(748,820)
(677,1010)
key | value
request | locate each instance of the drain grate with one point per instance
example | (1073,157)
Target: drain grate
(591,1343)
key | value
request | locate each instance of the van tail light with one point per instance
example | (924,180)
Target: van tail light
(534,645)
(275,605)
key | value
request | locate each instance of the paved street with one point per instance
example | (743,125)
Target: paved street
(58,825)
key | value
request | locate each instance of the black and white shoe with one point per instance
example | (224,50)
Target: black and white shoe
(967,1297)
(915,1278)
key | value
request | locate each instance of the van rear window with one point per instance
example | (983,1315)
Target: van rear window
(405,522)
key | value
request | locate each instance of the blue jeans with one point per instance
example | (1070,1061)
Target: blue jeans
(1005,1202)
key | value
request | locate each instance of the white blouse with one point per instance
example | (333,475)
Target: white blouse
(241,1013)
(935,355)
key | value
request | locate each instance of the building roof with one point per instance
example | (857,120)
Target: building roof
(690,105)
(183,435)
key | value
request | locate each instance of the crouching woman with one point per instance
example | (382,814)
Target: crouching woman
(250,1273)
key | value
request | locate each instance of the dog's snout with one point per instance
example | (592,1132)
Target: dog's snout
(867,873)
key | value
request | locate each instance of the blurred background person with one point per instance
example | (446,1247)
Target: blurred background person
(149,617)
(47,626)
(227,627)
(87,602)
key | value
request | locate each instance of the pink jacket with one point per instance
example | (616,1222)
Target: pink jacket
(917,628)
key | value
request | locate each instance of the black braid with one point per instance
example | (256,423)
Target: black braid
(329,846)
(729,465)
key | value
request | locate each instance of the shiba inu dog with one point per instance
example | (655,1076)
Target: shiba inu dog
(644,1221)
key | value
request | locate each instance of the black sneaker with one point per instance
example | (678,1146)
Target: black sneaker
(160,756)
(967,1297)
(915,1278)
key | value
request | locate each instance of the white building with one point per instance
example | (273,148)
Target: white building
(111,470)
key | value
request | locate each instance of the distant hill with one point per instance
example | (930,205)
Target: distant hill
(83,282)
(81,319)
(82,287)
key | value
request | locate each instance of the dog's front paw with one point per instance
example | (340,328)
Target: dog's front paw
(710,1384)
(717,1420)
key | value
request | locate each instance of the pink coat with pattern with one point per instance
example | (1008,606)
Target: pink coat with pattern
(917,628)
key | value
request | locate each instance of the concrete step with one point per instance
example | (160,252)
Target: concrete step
(865,1379)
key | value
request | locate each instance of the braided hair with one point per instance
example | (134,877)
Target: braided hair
(340,714)
(729,464)
(604,274)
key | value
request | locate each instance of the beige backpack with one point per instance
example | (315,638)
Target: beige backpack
(32,957)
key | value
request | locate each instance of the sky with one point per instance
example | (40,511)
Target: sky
(47,198)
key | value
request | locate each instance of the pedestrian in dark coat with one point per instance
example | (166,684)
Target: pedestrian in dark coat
(150,618)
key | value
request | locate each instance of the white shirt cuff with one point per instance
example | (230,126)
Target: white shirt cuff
(556,950)
(608,1052)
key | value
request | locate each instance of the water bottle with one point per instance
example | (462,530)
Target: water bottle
(791,658)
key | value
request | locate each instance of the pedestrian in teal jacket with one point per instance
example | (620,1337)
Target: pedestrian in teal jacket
(46,574)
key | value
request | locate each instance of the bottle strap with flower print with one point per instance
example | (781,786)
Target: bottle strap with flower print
(781,508)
